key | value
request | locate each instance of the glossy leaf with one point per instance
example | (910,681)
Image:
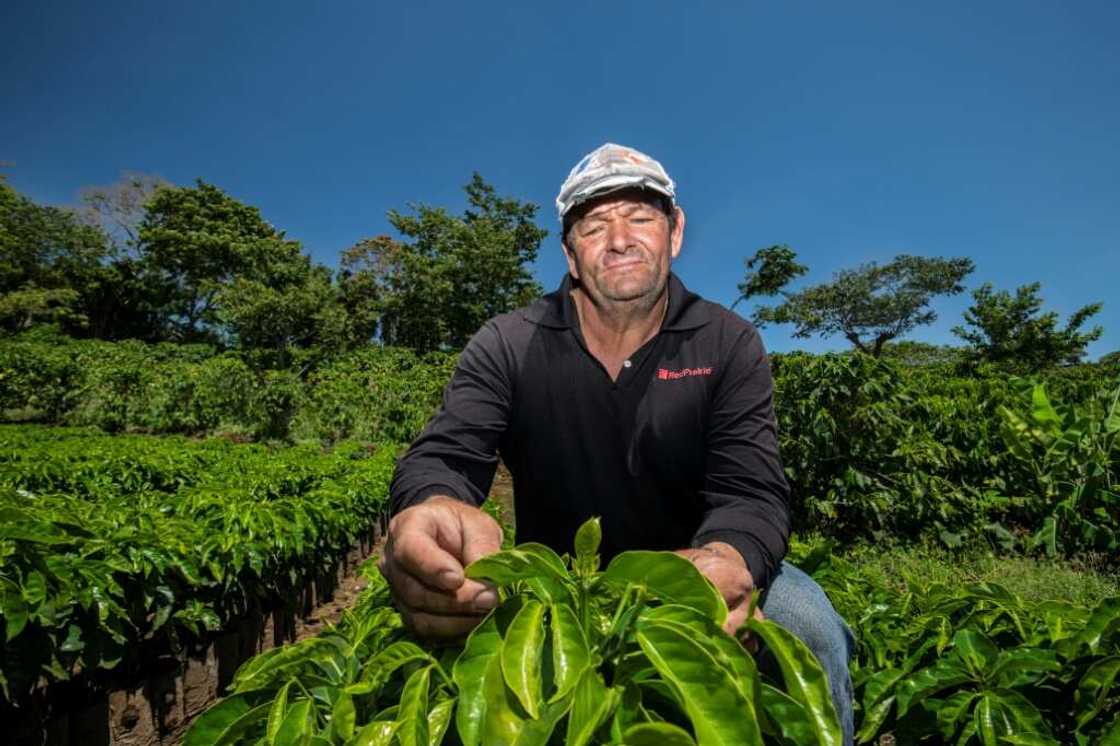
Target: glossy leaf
(804,679)
(1095,687)
(719,712)
(588,537)
(657,734)
(669,577)
(570,652)
(521,656)
(377,733)
(591,705)
(439,717)
(478,675)
(787,715)
(229,720)
(343,718)
(277,711)
(413,714)
(296,727)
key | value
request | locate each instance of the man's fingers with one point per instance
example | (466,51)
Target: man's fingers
(469,598)
(416,552)
(481,536)
(437,627)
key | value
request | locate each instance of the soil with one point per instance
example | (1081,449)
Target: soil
(330,612)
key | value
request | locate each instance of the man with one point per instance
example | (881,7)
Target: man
(621,395)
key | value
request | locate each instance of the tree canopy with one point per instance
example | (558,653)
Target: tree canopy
(452,273)
(1012,329)
(50,263)
(869,305)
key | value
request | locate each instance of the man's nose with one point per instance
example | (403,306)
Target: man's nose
(618,235)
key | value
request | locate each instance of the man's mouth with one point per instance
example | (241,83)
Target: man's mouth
(623,265)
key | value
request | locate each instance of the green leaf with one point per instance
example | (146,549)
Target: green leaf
(521,656)
(669,577)
(588,538)
(592,704)
(16,614)
(343,717)
(570,652)
(1095,687)
(787,714)
(952,711)
(1019,715)
(1021,666)
(377,733)
(975,650)
(439,717)
(1042,411)
(927,682)
(728,651)
(400,653)
(804,679)
(984,718)
(1103,623)
(229,720)
(297,726)
(413,714)
(527,562)
(719,712)
(276,712)
(656,734)
(478,672)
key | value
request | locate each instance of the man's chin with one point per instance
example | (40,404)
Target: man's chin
(624,292)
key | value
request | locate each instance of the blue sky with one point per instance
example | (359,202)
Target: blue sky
(851,131)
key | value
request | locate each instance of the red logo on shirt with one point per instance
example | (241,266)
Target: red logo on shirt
(671,375)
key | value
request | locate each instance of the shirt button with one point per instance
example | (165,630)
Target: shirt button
(626,363)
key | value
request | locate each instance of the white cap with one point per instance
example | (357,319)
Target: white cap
(610,168)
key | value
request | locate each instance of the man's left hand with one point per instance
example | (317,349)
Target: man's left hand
(722,564)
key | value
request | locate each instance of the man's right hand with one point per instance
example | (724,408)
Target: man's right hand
(425,552)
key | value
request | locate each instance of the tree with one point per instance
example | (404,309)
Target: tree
(1002,328)
(195,241)
(278,316)
(869,305)
(118,209)
(49,263)
(776,268)
(437,289)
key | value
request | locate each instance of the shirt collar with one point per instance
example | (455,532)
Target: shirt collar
(557,310)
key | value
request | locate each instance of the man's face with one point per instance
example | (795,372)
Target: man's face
(621,245)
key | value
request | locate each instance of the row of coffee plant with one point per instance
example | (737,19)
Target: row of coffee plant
(633,654)
(373,394)
(872,447)
(111,546)
(975,663)
(878,451)
(636,655)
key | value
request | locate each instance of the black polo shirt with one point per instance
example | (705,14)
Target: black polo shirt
(681,450)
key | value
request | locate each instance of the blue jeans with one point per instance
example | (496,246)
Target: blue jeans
(795,601)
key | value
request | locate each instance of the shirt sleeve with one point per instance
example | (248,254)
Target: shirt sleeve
(457,453)
(745,492)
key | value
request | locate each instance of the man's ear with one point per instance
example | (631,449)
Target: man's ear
(573,267)
(676,238)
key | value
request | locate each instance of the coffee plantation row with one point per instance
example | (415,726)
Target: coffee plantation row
(107,542)
(636,655)
(873,448)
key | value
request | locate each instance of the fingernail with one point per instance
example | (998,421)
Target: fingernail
(485,600)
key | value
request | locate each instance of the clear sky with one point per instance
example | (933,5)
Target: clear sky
(850,131)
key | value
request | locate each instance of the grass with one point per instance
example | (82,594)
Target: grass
(1085,581)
